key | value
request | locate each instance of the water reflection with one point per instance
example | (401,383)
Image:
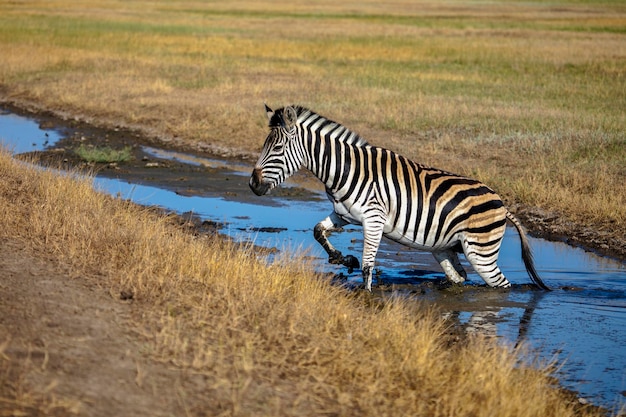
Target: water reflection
(242,220)
(516,316)
(19,134)
(186,158)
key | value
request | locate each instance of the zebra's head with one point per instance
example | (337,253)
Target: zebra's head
(280,157)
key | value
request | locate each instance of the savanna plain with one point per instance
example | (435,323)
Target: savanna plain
(108,308)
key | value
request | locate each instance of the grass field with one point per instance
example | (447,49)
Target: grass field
(527,96)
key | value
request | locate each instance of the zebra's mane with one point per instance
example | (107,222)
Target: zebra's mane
(304,114)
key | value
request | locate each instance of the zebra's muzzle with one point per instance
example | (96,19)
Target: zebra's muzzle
(256,182)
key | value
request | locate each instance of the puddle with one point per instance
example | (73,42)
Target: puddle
(583,321)
(19,134)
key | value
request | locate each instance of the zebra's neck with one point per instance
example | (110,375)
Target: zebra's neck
(326,145)
(316,124)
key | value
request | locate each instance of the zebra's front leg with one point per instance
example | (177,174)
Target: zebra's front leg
(372,235)
(321,230)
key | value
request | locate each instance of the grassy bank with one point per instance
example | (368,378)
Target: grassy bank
(527,96)
(266,339)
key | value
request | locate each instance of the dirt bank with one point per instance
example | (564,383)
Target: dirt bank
(66,346)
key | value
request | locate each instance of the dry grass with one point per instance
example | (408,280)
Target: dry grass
(267,339)
(526,95)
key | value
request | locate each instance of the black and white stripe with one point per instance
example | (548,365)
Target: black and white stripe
(389,195)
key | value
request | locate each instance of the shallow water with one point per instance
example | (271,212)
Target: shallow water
(19,134)
(582,322)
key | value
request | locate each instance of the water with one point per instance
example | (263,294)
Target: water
(19,134)
(582,322)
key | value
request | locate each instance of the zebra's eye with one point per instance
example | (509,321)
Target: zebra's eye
(278,146)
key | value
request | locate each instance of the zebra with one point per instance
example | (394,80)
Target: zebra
(389,195)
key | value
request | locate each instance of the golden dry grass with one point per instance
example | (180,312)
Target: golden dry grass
(527,96)
(268,339)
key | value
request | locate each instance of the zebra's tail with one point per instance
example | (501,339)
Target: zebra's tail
(527,255)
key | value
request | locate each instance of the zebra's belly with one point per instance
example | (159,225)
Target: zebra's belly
(408,240)
(354,214)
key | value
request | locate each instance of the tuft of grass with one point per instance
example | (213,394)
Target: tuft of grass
(103,154)
(268,339)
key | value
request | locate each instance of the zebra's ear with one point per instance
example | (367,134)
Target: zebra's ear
(290,116)
(269,112)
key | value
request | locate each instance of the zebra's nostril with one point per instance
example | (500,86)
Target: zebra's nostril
(256,182)
(257,175)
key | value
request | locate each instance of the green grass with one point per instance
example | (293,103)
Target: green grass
(104,154)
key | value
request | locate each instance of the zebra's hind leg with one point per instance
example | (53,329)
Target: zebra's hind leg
(484,261)
(321,231)
(451,265)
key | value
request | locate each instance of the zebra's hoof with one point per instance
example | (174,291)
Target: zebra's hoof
(351,262)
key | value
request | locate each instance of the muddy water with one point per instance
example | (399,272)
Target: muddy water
(582,322)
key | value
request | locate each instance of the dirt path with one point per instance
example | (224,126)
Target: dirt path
(66,346)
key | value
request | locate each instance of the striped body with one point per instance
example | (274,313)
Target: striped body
(389,195)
